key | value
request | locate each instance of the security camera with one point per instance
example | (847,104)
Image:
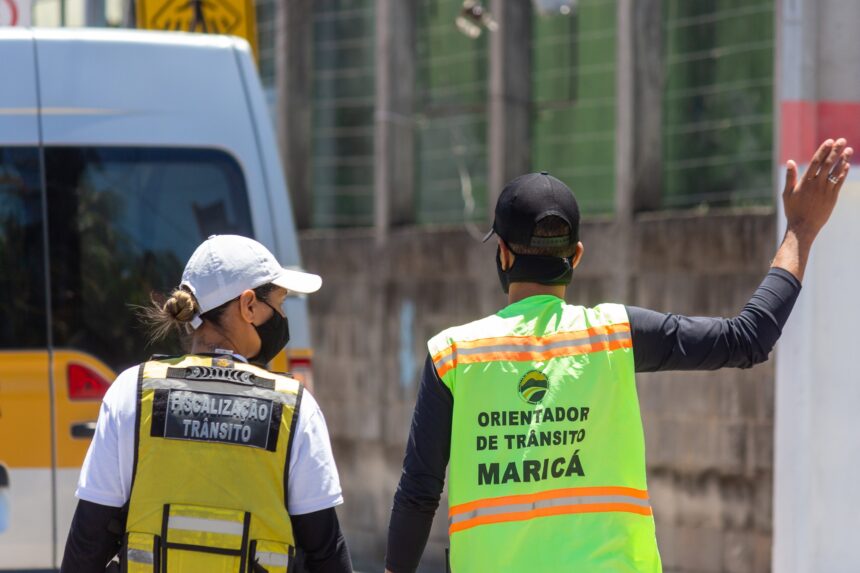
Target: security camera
(473,18)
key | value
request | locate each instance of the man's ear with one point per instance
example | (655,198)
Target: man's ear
(246,305)
(507,257)
(577,256)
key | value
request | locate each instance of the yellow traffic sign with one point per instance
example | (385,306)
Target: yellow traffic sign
(235,17)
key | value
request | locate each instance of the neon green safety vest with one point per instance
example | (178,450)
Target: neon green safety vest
(547,468)
(209,489)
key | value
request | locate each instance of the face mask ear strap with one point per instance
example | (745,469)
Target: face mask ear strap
(264,301)
(510,250)
(503,275)
(508,247)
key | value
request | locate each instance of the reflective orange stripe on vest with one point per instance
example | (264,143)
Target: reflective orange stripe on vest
(554,502)
(534,348)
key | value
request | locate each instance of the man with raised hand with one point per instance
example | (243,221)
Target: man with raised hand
(536,408)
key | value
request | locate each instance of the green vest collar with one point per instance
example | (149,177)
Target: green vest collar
(528,303)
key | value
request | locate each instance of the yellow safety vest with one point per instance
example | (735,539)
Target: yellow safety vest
(547,469)
(212,450)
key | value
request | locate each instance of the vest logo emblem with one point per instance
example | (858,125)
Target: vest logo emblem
(533,386)
(217,373)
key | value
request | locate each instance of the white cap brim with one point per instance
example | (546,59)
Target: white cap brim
(298,281)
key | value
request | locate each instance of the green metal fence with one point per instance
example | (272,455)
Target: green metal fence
(717,127)
(266,17)
(718,102)
(573,99)
(343,107)
(451,117)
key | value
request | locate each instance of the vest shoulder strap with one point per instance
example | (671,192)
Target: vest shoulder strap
(443,346)
(489,326)
(608,313)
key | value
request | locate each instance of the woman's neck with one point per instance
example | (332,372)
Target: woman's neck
(207,340)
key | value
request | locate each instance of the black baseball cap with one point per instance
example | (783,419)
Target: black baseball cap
(527,200)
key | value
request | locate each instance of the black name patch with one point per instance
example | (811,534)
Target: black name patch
(223,418)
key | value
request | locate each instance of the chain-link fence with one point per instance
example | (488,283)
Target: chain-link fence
(717,112)
(718,102)
(451,117)
(343,107)
(266,13)
(573,99)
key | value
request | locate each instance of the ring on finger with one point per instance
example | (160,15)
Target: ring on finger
(833,178)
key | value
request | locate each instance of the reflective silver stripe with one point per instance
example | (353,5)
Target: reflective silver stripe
(205,525)
(140,556)
(288,399)
(272,559)
(543,503)
(545,347)
(573,343)
(446,360)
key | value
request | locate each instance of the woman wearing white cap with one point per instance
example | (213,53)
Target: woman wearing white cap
(207,461)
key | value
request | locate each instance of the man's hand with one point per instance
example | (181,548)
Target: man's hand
(809,200)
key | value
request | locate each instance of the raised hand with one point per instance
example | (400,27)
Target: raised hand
(809,200)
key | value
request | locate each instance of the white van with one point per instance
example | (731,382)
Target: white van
(120,151)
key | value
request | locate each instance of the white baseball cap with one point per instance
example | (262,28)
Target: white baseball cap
(225,266)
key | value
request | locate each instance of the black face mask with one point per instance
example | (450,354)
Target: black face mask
(535,269)
(274,335)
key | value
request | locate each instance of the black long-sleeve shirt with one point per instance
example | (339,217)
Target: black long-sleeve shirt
(660,342)
(97,529)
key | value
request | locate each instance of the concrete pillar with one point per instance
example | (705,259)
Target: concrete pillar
(129,14)
(394,161)
(293,81)
(624,148)
(638,126)
(817,453)
(94,13)
(648,79)
(509,113)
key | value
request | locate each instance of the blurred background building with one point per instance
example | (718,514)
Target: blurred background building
(705,71)
(398,128)
(704,103)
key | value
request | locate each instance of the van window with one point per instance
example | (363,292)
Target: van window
(122,222)
(22,263)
